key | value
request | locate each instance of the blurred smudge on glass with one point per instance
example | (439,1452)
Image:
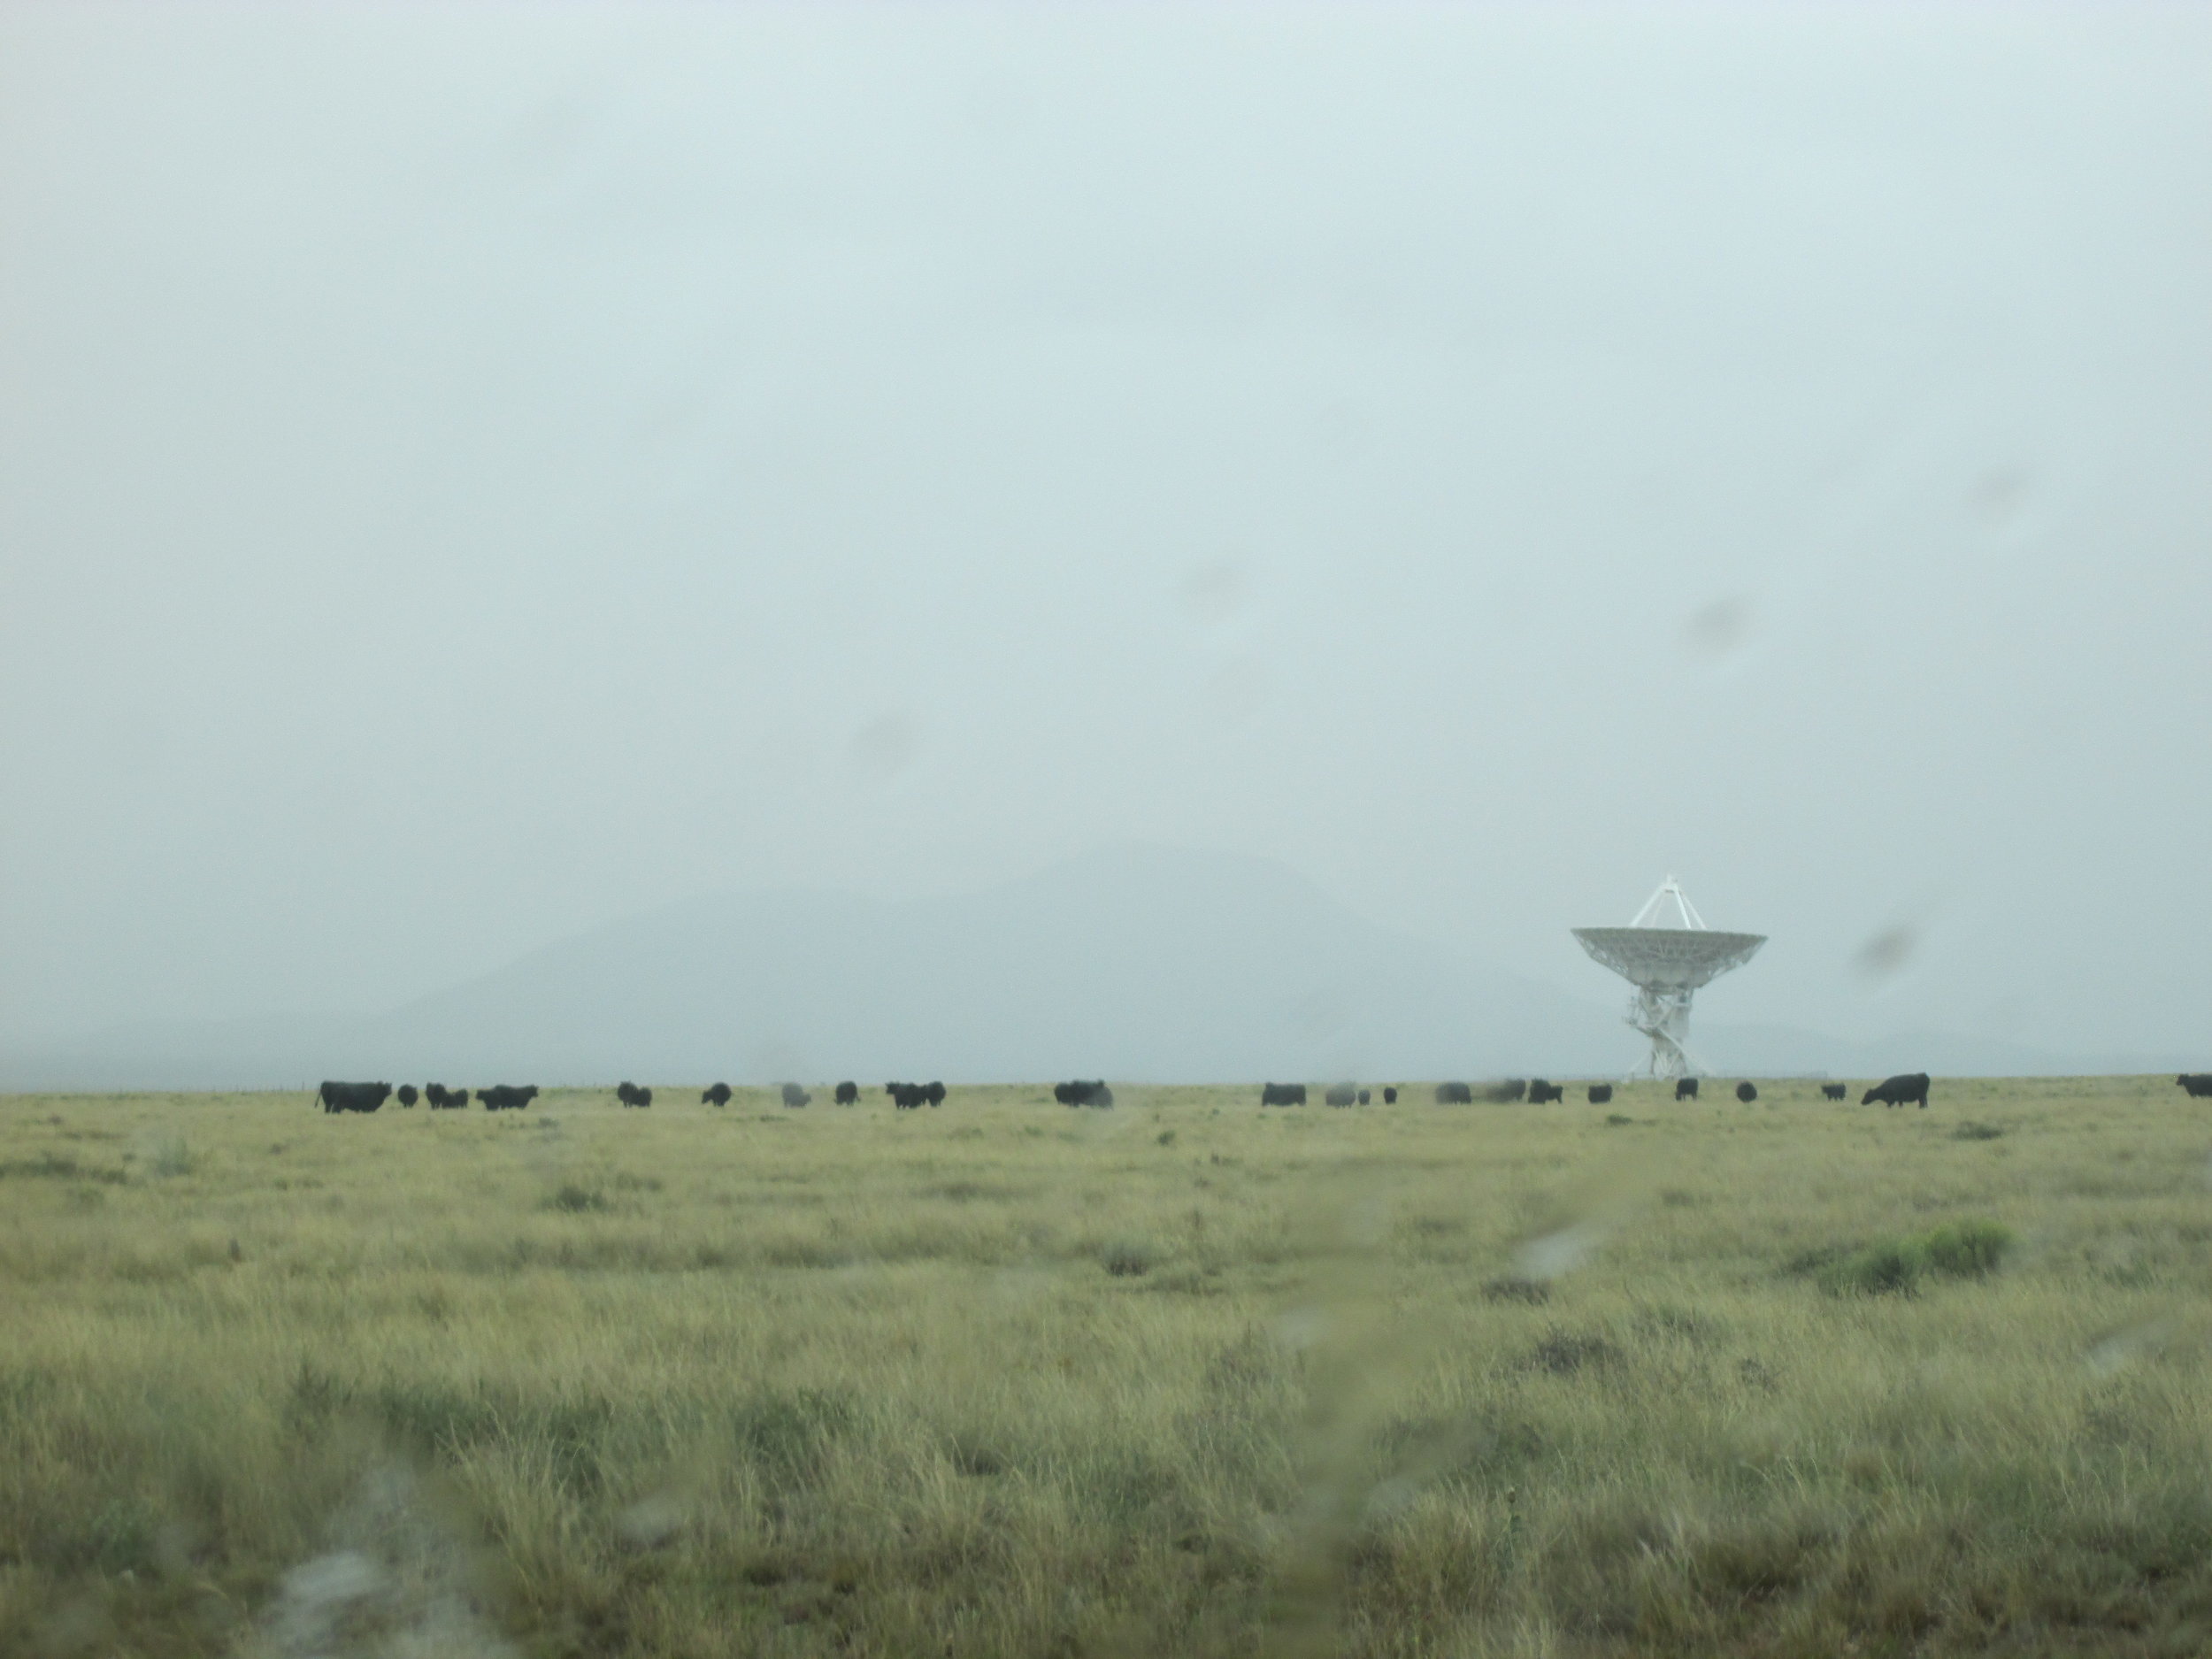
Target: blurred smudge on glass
(1999,498)
(885,745)
(1887,951)
(1718,628)
(1214,593)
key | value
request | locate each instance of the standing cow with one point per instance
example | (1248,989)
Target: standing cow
(1746,1093)
(718,1096)
(1685,1088)
(848,1094)
(795,1096)
(352,1097)
(2198,1084)
(1897,1091)
(1832,1091)
(1600,1094)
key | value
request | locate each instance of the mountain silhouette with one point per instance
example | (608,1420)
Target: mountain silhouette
(1134,962)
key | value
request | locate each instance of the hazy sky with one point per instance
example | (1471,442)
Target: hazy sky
(467,475)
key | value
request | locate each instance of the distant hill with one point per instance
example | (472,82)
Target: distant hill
(1138,963)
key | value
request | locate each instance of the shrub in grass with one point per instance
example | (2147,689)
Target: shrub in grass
(1885,1268)
(172,1156)
(574,1197)
(1968,1249)
(1127,1258)
(1958,1249)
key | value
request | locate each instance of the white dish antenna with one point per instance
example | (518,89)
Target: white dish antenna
(1666,953)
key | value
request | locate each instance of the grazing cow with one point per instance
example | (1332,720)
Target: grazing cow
(1601,1092)
(1895,1091)
(1505,1092)
(718,1096)
(1390,1097)
(848,1094)
(507,1097)
(407,1095)
(444,1099)
(1079,1093)
(908,1096)
(795,1096)
(630,1095)
(1282,1094)
(1364,1097)
(1540,1092)
(1746,1093)
(352,1097)
(434,1093)
(936,1093)
(1685,1088)
(1454,1095)
(1340,1095)
(1832,1091)
(2199,1084)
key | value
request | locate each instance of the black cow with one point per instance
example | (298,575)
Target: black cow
(1364,1097)
(1454,1095)
(1505,1092)
(1390,1097)
(1282,1094)
(507,1097)
(2198,1083)
(407,1095)
(718,1096)
(1601,1092)
(795,1096)
(1746,1093)
(908,1096)
(1895,1091)
(352,1097)
(630,1095)
(1340,1095)
(1685,1088)
(1833,1091)
(444,1099)
(848,1094)
(1540,1092)
(1078,1093)
(936,1093)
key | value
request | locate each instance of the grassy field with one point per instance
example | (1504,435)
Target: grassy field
(1184,1377)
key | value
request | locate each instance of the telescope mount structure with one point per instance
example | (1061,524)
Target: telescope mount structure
(1666,953)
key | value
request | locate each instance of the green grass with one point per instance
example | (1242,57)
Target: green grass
(1183,1378)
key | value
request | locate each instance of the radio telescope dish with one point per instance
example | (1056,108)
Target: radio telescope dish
(1666,953)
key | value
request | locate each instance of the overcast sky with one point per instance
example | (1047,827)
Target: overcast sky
(468,475)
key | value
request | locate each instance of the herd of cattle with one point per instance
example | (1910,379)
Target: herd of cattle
(1907,1088)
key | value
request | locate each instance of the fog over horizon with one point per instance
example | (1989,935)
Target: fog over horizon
(469,477)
